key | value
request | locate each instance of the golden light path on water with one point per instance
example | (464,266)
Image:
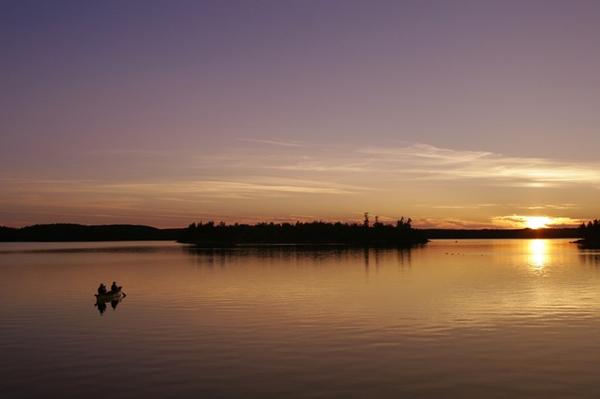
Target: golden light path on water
(538,253)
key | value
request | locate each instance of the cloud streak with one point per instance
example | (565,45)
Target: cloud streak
(521,221)
(442,163)
(426,162)
(213,188)
(281,143)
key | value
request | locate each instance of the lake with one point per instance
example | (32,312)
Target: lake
(467,318)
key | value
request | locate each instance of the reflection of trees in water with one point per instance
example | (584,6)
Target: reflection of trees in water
(404,257)
(370,257)
(213,257)
(283,252)
(380,256)
(590,258)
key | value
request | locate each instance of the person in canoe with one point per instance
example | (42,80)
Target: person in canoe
(102,289)
(114,287)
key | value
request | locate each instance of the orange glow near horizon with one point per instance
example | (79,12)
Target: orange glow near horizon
(537,222)
(534,222)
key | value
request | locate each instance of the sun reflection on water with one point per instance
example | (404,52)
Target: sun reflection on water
(538,253)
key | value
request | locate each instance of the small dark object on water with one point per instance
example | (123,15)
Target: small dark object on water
(115,292)
(114,296)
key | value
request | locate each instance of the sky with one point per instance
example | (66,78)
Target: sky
(455,113)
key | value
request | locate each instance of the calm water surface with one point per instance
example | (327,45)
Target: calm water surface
(471,318)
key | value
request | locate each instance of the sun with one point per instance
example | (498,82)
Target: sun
(536,222)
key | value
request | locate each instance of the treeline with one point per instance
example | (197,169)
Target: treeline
(78,232)
(590,233)
(221,234)
(378,234)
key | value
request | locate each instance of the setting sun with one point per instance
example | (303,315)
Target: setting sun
(536,222)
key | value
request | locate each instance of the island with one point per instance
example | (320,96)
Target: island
(590,235)
(399,234)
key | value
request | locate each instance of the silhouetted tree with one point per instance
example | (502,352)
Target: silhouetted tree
(590,232)
(316,232)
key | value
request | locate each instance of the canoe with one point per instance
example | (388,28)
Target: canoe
(110,295)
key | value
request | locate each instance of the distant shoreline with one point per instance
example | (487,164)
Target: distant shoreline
(92,233)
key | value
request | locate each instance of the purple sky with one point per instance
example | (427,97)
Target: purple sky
(457,113)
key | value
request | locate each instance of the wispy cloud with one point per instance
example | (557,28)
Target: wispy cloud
(389,164)
(520,221)
(317,166)
(161,201)
(548,207)
(241,189)
(187,189)
(443,164)
(450,223)
(277,142)
(426,162)
(427,153)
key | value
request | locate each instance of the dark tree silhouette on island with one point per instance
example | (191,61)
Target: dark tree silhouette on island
(379,234)
(590,234)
